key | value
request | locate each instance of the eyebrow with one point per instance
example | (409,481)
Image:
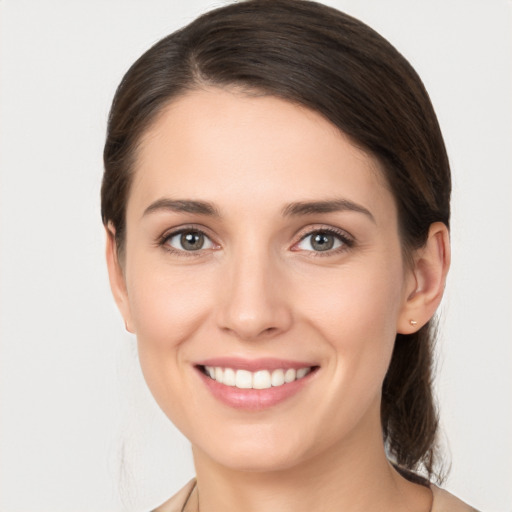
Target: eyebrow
(330,206)
(291,210)
(182,205)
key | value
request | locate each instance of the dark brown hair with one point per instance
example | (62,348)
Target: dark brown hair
(327,61)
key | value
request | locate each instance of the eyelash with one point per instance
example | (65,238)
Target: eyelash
(162,241)
(346,240)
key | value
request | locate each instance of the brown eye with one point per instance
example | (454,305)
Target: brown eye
(191,240)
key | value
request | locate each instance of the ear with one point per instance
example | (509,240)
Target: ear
(426,280)
(116,278)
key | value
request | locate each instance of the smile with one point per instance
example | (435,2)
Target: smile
(261,379)
(254,385)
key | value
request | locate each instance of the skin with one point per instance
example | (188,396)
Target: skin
(258,289)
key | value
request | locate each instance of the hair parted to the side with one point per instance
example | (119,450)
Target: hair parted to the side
(327,61)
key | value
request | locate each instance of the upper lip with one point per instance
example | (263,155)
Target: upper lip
(253,365)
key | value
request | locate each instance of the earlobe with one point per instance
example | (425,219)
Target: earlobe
(431,264)
(116,278)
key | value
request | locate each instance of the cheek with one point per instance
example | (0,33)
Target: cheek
(167,307)
(351,301)
(356,312)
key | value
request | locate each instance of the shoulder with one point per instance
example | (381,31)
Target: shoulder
(184,501)
(184,497)
(446,502)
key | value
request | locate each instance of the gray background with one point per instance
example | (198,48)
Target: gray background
(78,429)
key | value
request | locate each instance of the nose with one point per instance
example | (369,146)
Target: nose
(255,303)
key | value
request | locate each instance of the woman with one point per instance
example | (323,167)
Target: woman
(276,200)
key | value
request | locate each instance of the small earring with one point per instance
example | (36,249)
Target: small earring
(413,322)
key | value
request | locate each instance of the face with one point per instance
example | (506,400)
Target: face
(263,277)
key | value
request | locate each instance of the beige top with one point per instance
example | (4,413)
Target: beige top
(186,500)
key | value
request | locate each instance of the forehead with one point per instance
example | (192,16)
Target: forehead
(217,144)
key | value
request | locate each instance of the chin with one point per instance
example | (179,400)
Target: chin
(257,453)
(258,461)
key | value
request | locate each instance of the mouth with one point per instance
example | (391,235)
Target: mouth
(254,385)
(261,379)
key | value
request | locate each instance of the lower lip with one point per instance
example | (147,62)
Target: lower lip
(254,399)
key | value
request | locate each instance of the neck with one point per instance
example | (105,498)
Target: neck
(353,476)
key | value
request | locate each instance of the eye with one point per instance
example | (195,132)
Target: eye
(189,240)
(323,241)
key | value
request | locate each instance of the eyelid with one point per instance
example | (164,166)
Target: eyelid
(178,230)
(348,241)
(344,236)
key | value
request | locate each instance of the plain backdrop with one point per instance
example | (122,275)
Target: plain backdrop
(78,429)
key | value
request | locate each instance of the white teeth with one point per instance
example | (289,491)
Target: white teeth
(290,375)
(262,379)
(243,379)
(229,378)
(277,378)
(302,372)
